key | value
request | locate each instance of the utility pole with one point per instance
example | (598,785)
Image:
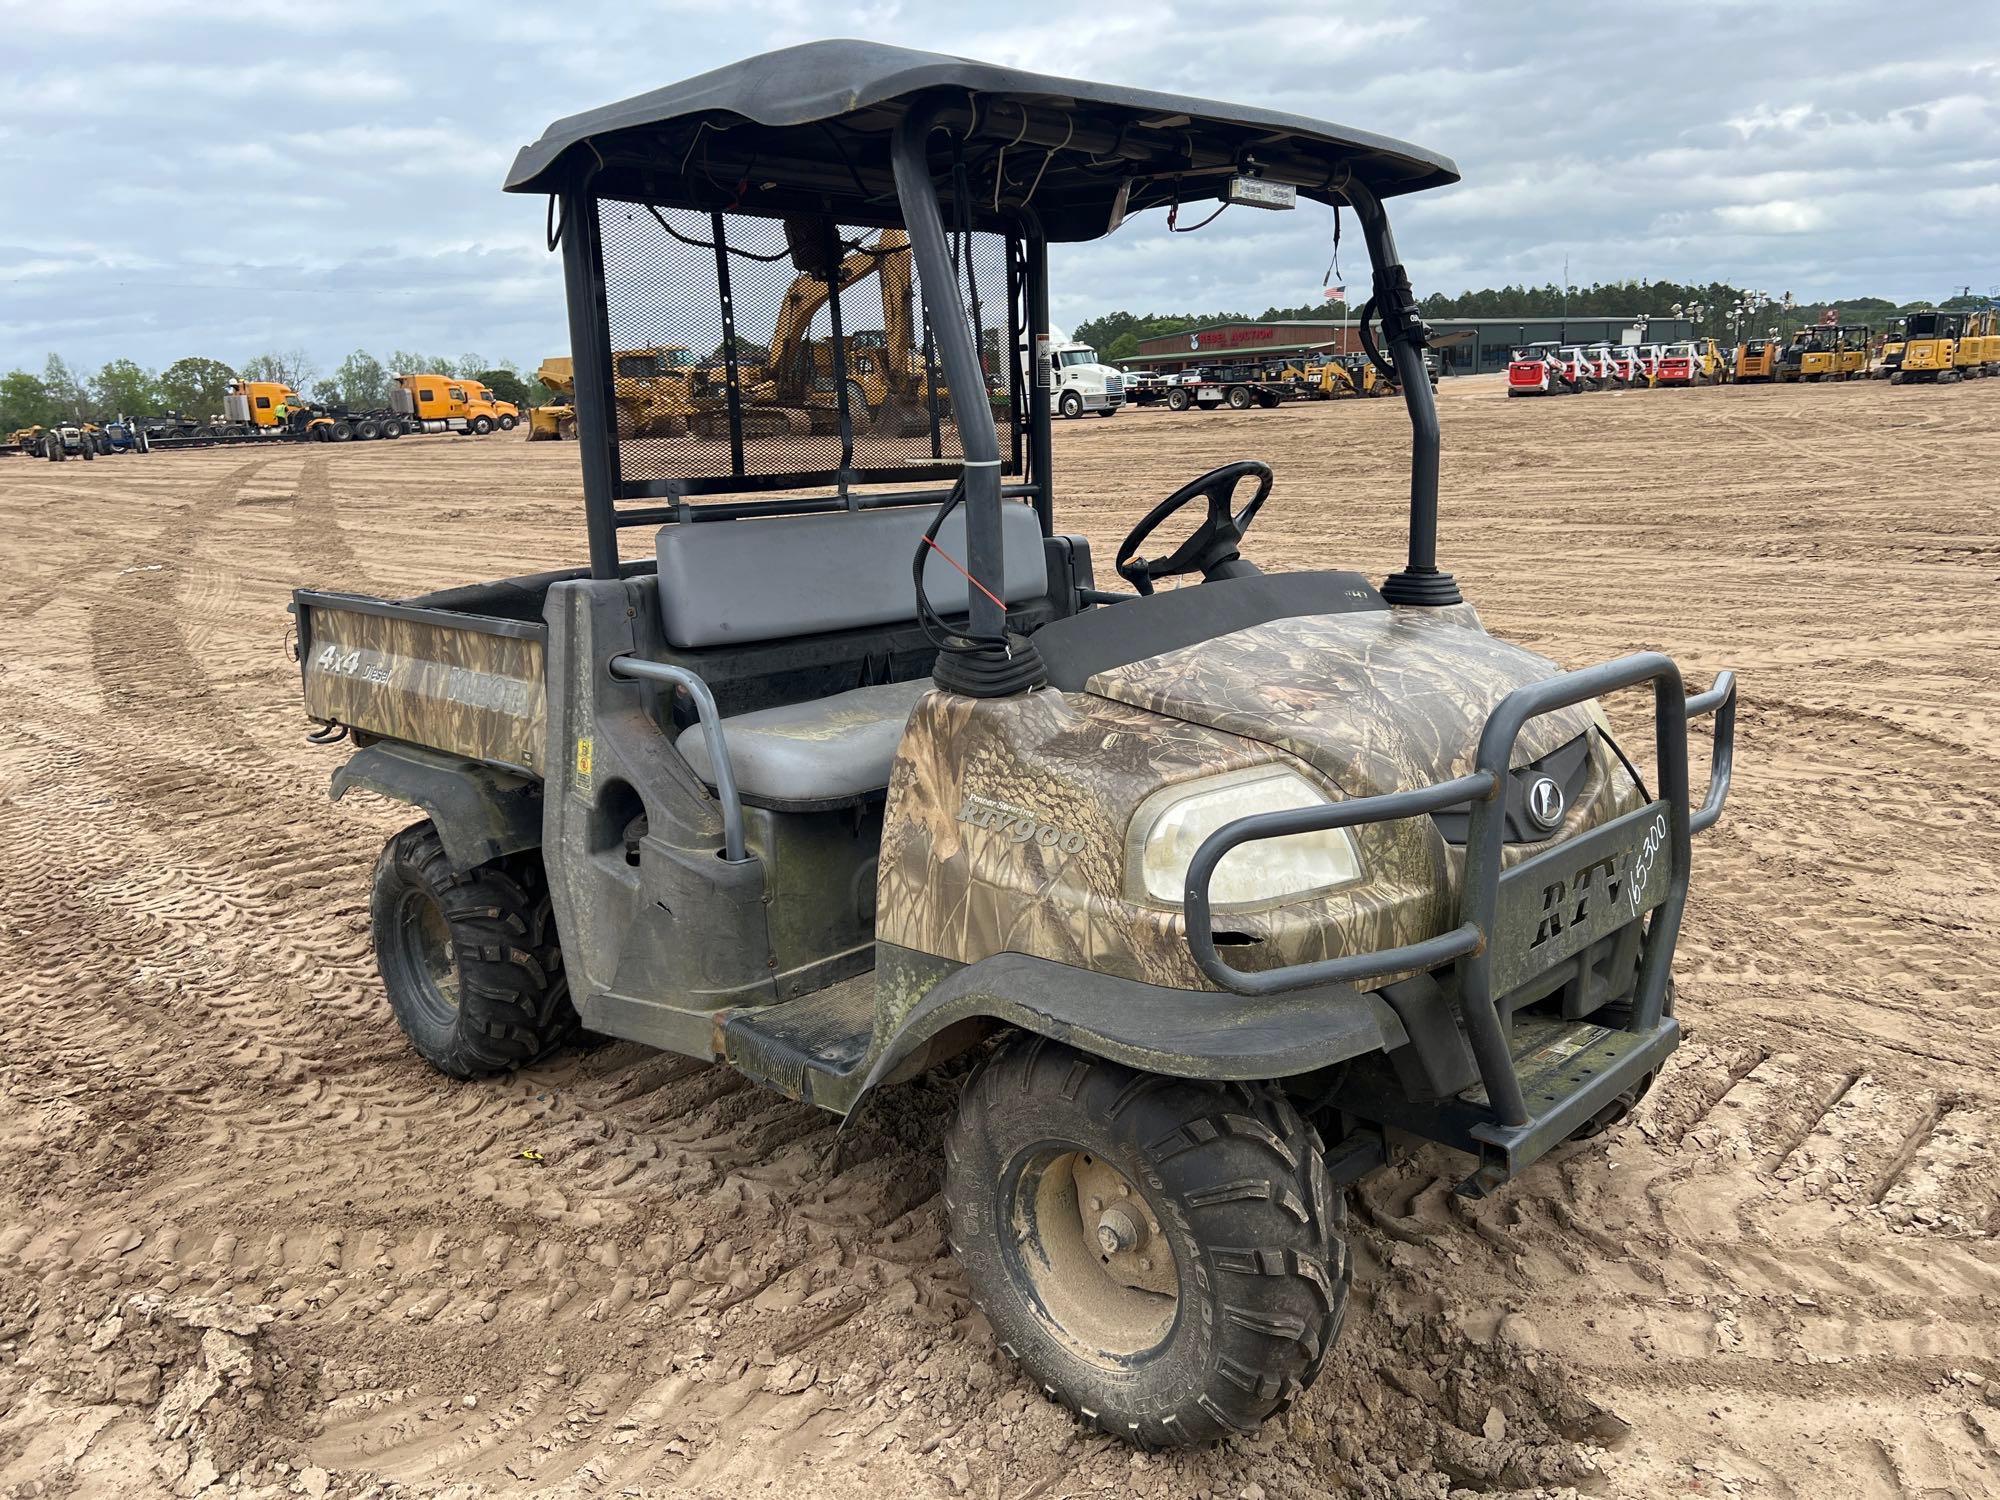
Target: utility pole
(1565,311)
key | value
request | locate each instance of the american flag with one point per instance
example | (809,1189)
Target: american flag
(1336,294)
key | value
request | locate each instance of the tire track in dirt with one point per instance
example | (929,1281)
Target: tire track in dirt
(645,1273)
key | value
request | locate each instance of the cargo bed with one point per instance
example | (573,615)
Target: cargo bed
(443,678)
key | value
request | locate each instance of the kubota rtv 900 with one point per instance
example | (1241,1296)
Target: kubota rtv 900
(1212,893)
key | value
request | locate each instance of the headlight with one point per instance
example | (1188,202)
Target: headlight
(1172,823)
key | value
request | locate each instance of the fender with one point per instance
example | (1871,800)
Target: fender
(481,813)
(1181,1033)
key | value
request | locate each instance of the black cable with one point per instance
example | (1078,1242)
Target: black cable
(1174,212)
(709,244)
(1626,761)
(845,160)
(936,631)
(1364,329)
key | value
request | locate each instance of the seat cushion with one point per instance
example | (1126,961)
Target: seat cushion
(827,750)
(729,583)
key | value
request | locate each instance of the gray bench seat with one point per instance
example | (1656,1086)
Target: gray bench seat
(731,585)
(827,750)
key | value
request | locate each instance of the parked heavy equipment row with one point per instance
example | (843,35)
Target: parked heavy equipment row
(1943,348)
(74,438)
(270,411)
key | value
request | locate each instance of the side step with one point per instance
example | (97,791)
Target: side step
(810,1049)
(1570,1071)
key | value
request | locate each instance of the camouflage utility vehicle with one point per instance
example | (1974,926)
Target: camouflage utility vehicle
(1228,890)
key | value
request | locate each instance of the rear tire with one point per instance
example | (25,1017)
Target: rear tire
(1063,1170)
(392,427)
(367,430)
(471,962)
(1239,398)
(340,432)
(1178,400)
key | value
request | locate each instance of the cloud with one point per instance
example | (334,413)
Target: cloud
(329,178)
(1777,217)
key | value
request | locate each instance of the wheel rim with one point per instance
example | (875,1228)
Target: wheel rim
(1090,1251)
(432,964)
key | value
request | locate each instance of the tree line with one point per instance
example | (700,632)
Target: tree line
(194,386)
(1117,335)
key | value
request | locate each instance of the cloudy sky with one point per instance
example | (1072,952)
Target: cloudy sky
(187,178)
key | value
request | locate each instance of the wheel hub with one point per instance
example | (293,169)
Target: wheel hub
(1116,1231)
(1091,1247)
(427,936)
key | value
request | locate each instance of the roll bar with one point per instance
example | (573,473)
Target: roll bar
(1419,582)
(917,193)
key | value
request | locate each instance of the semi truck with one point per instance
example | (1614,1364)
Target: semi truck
(270,411)
(1080,381)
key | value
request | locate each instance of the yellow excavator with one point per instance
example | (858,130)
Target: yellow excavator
(1889,357)
(792,391)
(1978,351)
(1930,348)
(1809,356)
(796,390)
(1851,352)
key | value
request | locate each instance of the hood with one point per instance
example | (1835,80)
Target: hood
(1381,701)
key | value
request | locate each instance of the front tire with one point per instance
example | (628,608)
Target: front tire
(1063,1171)
(1071,405)
(506,422)
(471,961)
(481,426)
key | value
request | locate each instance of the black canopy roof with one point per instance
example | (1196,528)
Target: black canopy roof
(807,128)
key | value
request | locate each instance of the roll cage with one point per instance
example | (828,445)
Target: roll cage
(836,139)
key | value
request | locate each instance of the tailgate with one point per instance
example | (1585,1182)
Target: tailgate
(468,684)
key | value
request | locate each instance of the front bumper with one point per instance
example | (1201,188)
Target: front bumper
(1519,923)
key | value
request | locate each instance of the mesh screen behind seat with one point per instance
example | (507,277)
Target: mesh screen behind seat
(734,364)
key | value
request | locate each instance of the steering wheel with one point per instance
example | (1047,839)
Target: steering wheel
(1215,540)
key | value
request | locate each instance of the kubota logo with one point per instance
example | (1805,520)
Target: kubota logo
(1017,825)
(1545,803)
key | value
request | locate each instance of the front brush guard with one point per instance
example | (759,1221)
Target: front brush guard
(1635,864)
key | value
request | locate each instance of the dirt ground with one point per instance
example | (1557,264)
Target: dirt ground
(249,1245)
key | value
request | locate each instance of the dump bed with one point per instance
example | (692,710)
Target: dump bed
(446,679)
